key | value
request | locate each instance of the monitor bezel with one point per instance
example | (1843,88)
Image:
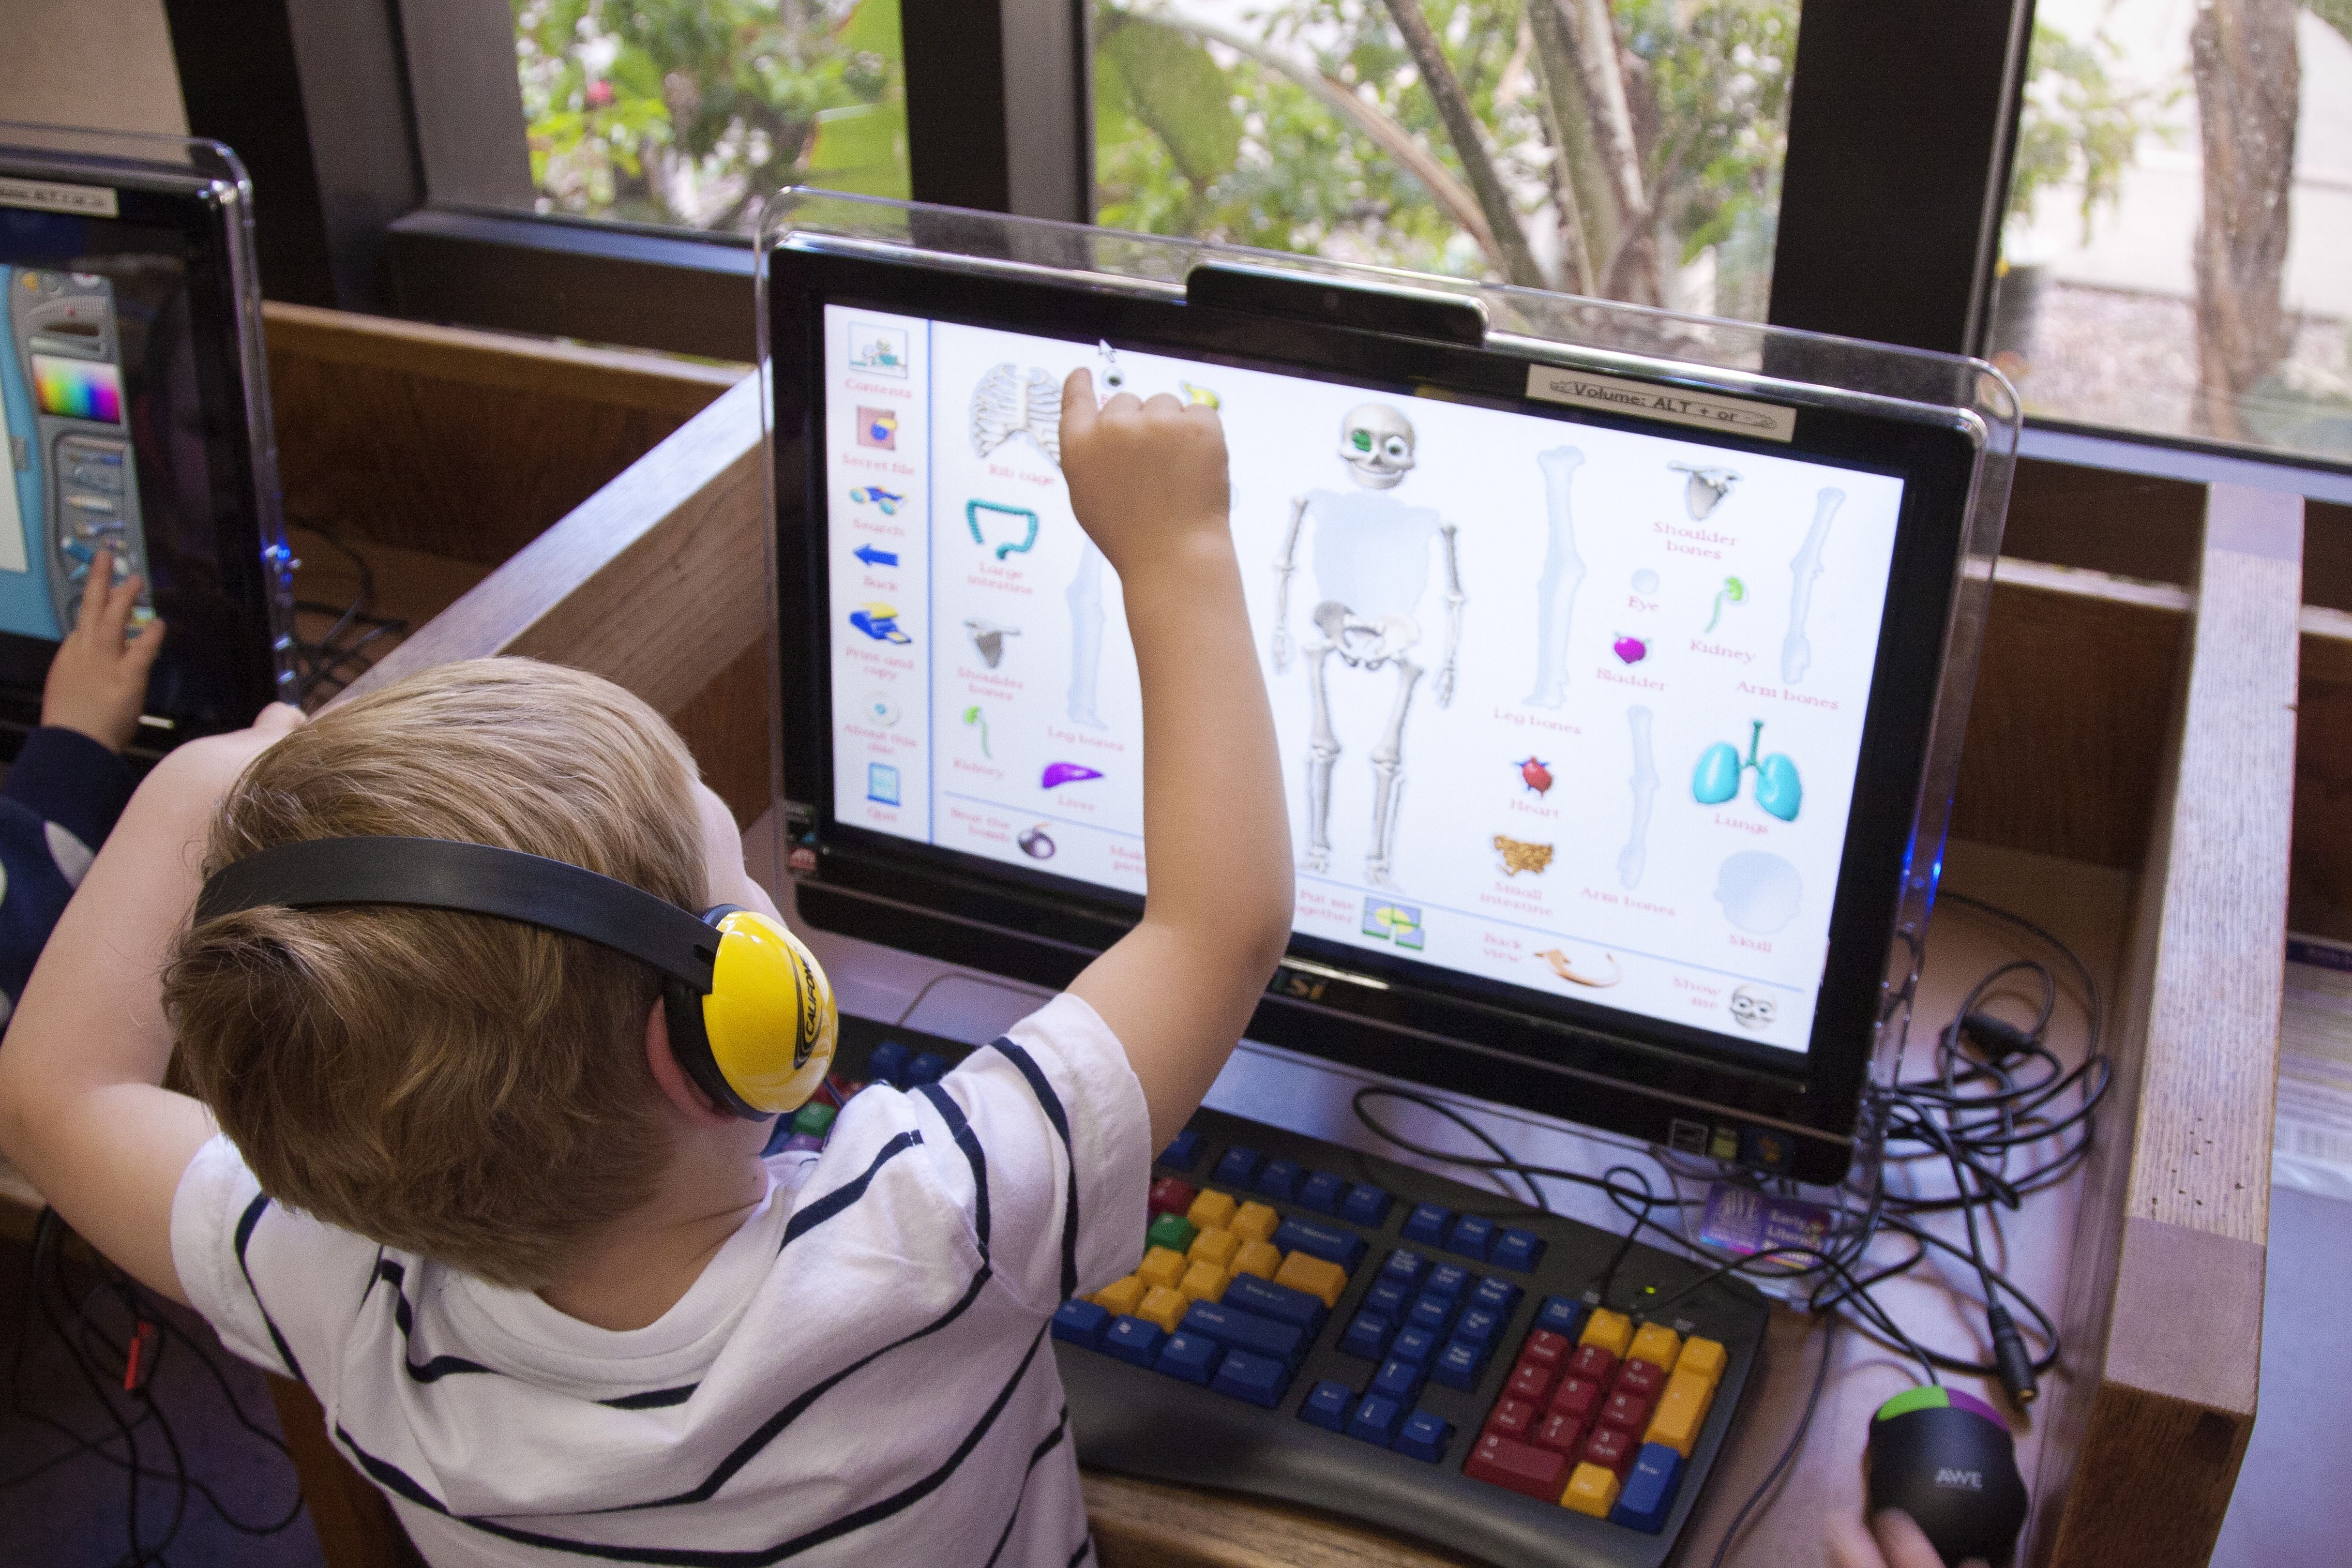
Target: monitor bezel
(1641,1077)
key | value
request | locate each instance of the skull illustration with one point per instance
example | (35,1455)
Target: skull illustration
(1750,1011)
(1376,443)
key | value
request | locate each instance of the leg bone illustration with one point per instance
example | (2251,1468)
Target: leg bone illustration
(1085,595)
(1563,573)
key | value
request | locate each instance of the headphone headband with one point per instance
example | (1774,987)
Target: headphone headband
(470,878)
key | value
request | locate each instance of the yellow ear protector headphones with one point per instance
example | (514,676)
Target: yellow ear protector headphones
(750,1013)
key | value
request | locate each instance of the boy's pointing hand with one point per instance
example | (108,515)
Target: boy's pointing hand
(1146,477)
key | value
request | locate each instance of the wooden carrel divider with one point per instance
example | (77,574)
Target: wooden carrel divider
(2135,707)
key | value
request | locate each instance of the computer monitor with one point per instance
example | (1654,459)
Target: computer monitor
(137,418)
(1606,702)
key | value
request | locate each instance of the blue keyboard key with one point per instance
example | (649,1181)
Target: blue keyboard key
(1397,1380)
(1406,1269)
(1190,1357)
(1254,1379)
(1238,1168)
(1497,1295)
(1415,1345)
(1329,1405)
(1279,1180)
(1430,1312)
(930,1067)
(1649,1494)
(1081,1323)
(1424,1438)
(1134,1340)
(1458,1365)
(1426,1226)
(1182,1151)
(1562,1316)
(1473,1236)
(1366,1204)
(1322,1193)
(1479,1327)
(1388,1298)
(1245,1331)
(1376,1420)
(1332,1242)
(889,1063)
(1367,1337)
(1517,1250)
(1448,1280)
(1280,1302)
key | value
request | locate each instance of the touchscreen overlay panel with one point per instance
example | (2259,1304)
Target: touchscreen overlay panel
(1569,708)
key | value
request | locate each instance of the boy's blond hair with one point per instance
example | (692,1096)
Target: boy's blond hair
(454,1085)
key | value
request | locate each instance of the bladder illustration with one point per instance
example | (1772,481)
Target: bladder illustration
(1563,573)
(1028,519)
(1371,576)
(1635,857)
(1796,653)
(1778,789)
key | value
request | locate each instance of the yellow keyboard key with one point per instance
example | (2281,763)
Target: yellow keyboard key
(1258,1257)
(1204,1282)
(1254,1222)
(1314,1276)
(1680,1410)
(1212,1211)
(1612,1331)
(1162,1306)
(1591,1490)
(1216,1246)
(1161,1266)
(1120,1296)
(1705,1357)
(1657,1345)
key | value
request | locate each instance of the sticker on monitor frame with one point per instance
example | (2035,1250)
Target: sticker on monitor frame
(1647,400)
(55,196)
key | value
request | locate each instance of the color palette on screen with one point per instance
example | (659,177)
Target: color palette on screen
(77,389)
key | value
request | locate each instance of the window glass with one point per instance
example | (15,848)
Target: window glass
(2175,255)
(691,111)
(1625,148)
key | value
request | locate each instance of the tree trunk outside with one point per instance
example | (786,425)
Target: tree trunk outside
(1517,262)
(2249,85)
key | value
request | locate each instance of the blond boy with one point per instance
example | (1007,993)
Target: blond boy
(446,1170)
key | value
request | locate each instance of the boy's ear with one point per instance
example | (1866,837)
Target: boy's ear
(681,1091)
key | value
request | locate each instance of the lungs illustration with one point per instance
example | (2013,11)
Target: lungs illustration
(1716,778)
(1777,789)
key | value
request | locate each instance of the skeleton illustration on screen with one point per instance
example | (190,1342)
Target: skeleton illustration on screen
(1372,575)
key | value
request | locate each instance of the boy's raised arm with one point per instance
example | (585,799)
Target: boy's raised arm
(1148,481)
(80,1111)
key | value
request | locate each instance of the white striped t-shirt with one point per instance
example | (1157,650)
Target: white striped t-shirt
(861,1374)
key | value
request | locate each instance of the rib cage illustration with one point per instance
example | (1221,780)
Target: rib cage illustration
(1005,405)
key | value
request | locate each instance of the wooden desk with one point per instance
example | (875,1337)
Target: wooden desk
(2129,779)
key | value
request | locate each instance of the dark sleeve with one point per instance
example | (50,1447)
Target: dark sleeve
(64,776)
(31,899)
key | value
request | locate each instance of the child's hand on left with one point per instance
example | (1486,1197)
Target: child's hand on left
(97,681)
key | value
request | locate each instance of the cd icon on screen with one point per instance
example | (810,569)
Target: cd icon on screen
(880,710)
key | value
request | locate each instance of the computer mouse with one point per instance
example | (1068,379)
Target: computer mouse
(1947,1460)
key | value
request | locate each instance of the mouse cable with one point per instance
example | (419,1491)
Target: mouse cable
(1772,1478)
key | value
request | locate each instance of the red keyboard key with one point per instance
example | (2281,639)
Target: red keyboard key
(1560,1432)
(1544,1348)
(1642,1377)
(1610,1448)
(1626,1411)
(1577,1396)
(1171,1195)
(1531,1381)
(1512,1418)
(1534,1473)
(1589,1362)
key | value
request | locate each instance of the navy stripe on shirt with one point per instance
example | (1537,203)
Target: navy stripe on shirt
(968,1142)
(811,1215)
(245,1224)
(1051,1440)
(1052,1104)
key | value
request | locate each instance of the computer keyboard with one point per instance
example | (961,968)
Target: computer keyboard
(1314,1325)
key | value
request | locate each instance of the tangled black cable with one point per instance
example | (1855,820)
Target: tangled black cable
(324,668)
(106,1366)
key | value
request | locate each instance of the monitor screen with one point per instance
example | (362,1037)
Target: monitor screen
(125,410)
(1565,709)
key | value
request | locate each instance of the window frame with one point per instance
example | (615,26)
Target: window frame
(384,138)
